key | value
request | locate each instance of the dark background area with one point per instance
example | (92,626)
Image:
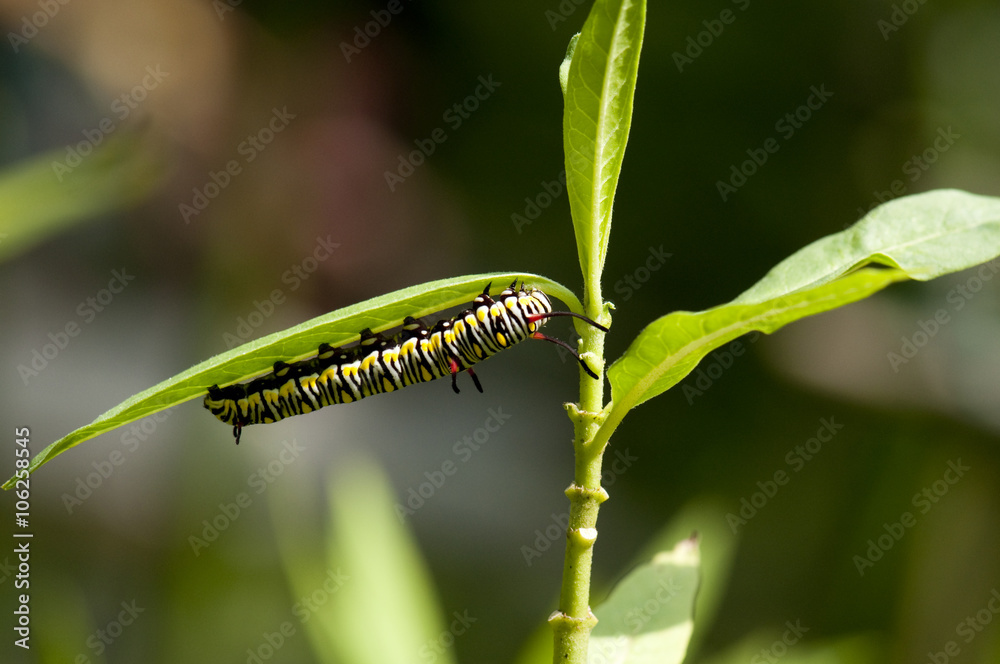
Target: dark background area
(894,95)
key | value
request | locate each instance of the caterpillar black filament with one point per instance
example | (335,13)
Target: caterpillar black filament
(377,364)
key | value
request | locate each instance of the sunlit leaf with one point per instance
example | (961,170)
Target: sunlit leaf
(670,347)
(648,618)
(919,237)
(382,607)
(717,548)
(925,235)
(389,614)
(257,357)
(598,89)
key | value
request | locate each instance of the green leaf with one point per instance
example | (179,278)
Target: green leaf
(598,90)
(384,609)
(39,198)
(648,618)
(920,237)
(390,581)
(258,357)
(670,347)
(705,515)
(925,235)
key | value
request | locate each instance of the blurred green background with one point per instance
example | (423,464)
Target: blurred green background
(308,128)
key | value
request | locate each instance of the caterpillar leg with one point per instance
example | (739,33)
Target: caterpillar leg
(454,377)
(475,379)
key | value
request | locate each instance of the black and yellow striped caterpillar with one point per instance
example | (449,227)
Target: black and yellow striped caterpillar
(377,364)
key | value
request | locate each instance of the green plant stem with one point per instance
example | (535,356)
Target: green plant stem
(574,620)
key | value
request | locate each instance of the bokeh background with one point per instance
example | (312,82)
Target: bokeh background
(310,117)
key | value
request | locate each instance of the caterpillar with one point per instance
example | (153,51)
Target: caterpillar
(378,364)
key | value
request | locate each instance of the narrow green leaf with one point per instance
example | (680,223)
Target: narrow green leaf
(648,618)
(257,357)
(44,195)
(919,237)
(705,515)
(388,613)
(598,91)
(670,347)
(370,595)
(925,235)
